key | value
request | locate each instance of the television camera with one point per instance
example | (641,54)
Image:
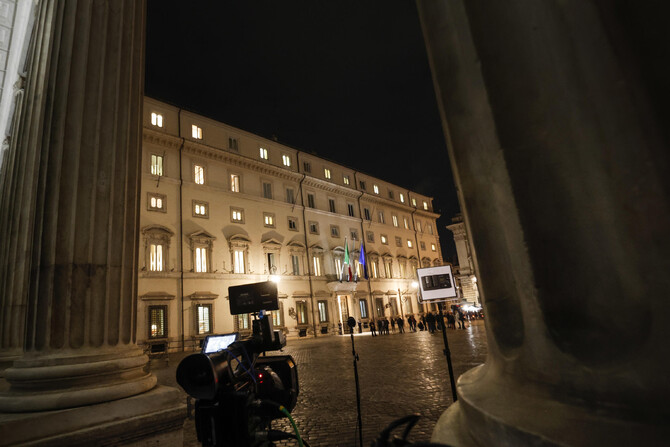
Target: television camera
(238,392)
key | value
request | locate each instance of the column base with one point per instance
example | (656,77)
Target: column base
(495,410)
(153,418)
(65,380)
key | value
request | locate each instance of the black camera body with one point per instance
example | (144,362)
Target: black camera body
(238,393)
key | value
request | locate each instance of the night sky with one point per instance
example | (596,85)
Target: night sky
(347,80)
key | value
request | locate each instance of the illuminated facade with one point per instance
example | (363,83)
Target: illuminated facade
(465,275)
(224,207)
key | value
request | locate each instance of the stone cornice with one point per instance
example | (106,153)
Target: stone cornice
(331,187)
(194,148)
(161,139)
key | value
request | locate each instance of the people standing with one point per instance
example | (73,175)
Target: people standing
(401,325)
(430,319)
(372,328)
(392,324)
(386,326)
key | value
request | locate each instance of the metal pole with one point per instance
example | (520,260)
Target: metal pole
(447,353)
(351,322)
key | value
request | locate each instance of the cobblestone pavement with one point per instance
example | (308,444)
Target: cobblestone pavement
(399,374)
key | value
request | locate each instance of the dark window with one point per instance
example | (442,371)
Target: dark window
(267,190)
(350,209)
(306,166)
(366,213)
(331,205)
(310,200)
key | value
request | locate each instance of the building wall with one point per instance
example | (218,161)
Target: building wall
(465,277)
(328,204)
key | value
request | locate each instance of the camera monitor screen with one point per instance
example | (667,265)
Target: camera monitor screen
(216,343)
(250,298)
(437,283)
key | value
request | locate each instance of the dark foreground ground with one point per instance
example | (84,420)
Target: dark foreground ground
(399,374)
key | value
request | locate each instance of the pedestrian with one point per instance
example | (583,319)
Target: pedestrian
(450,321)
(386,326)
(430,319)
(372,328)
(392,324)
(457,316)
(420,325)
(401,325)
(380,326)
(425,323)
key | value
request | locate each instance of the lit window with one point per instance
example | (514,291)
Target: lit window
(156,202)
(418,226)
(286,159)
(157,321)
(199,174)
(156,119)
(234,183)
(345,179)
(314,227)
(204,323)
(406,223)
(334,231)
(409,243)
(316,262)
(156,164)
(433,247)
(402,198)
(363,305)
(301,312)
(267,190)
(381,217)
(196,132)
(395,220)
(413,202)
(201,259)
(293,223)
(238,261)
(376,189)
(263,153)
(323,311)
(326,173)
(200,209)
(338,266)
(430,228)
(350,209)
(269,220)
(243,322)
(384,239)
(425,205)
(237,215)
(156,258)
(277,317)
(232,144)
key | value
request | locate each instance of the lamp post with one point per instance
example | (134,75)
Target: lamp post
(413,286)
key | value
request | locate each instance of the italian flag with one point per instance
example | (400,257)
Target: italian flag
(346,264)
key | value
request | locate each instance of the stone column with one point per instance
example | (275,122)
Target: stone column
(71,236)
(555,137)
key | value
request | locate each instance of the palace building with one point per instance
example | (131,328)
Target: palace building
(224,207)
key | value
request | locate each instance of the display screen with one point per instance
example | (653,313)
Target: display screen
(250,298)
(216,343)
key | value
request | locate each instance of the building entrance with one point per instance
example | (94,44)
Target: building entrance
(343,306)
